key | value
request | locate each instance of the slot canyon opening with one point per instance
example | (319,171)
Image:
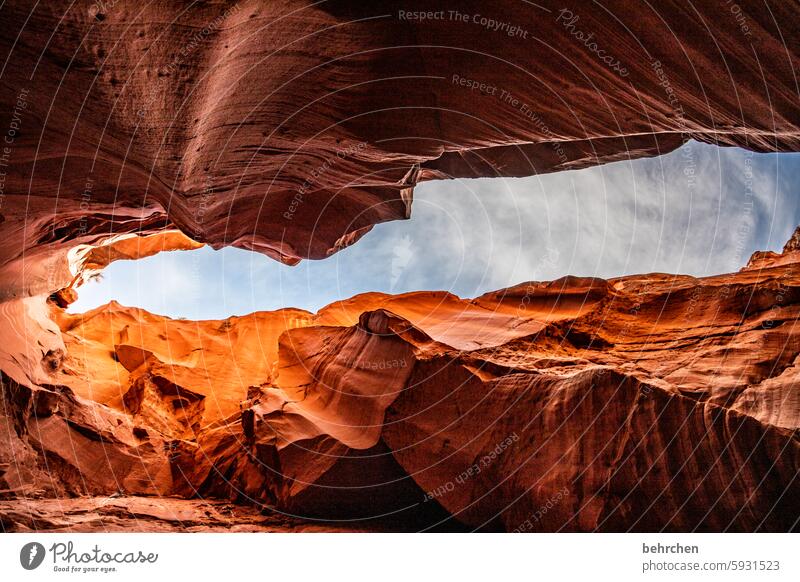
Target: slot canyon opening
(700,210)
(610,345)
(218,364)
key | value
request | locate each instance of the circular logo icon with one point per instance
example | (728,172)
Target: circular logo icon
(31,555)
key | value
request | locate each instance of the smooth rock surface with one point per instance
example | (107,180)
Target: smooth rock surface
(648,402)
(292,128)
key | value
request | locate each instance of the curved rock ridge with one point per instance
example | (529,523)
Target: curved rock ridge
(647,403)
(292,128)
(767,259)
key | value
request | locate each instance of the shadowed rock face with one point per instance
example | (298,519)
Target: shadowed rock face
(647,402)
(291,129)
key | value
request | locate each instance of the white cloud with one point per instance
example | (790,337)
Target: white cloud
(699,210)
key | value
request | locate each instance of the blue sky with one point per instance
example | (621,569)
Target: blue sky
(699,210)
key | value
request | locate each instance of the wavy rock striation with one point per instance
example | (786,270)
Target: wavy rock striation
(648,402)
(291,128)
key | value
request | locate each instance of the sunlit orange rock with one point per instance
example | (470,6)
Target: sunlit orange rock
(646,402)
(291,129)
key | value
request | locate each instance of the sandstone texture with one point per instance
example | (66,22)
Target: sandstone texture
(291,128)
(651,402)
(647,403)
(162,515)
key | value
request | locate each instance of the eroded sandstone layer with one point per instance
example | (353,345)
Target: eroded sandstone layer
(291,128)
(648,402)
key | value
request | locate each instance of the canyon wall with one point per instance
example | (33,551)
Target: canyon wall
(647,403)
(289,128)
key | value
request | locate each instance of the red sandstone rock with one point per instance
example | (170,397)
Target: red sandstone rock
(126,514)
(291,129)
(646,402)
